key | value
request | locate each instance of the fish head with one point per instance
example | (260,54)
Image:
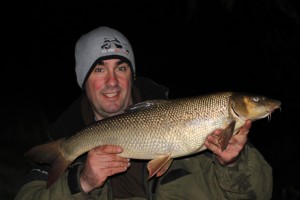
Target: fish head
(253,107)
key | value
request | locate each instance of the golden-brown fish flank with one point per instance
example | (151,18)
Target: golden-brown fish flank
(159,130)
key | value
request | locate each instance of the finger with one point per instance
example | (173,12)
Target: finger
(111,168)
(110,158)
(107,154)
(212,144)
(213,139)
(217,133)
(113,171)
(106,157)
(244,130)
(111,149)
(117,164)
(106,161)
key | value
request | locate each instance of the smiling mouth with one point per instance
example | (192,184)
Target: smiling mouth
(110,95)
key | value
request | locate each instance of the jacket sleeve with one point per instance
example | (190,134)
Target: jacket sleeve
(200,177)
(250,178)
(66,187)
(36,189)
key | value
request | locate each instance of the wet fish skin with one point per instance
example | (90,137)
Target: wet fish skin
(159,130)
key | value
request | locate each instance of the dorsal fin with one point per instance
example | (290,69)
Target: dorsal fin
(145,105)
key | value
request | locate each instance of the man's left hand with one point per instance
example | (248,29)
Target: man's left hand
(228,156)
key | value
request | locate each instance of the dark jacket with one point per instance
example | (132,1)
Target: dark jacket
(193,177)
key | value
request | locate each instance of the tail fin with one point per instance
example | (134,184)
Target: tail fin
(50,153)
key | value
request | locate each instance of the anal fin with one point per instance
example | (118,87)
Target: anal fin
(159,166)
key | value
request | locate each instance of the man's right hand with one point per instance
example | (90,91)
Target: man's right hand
(102,162)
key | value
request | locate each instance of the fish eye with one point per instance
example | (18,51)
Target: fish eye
(255,99)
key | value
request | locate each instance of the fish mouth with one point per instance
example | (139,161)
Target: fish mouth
(267,114)
(272,109)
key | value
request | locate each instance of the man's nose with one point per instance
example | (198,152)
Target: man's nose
(112,79)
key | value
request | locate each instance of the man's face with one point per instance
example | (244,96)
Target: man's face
(108,88)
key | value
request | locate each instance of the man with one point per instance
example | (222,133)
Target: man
(105,71)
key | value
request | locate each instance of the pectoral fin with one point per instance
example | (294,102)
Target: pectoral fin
(159,166)
(226,135)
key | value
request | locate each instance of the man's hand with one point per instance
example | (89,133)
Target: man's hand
(101,163)
(234,148)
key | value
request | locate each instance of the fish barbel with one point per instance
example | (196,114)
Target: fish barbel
(159,130)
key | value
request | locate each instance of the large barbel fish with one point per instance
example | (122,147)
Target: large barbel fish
(159,130)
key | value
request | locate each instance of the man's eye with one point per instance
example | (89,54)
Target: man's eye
(99,70)
(122,68)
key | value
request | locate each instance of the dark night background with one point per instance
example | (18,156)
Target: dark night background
(191,46)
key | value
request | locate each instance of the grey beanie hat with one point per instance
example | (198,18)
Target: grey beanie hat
(100,43)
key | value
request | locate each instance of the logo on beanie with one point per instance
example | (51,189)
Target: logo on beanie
(114,45)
